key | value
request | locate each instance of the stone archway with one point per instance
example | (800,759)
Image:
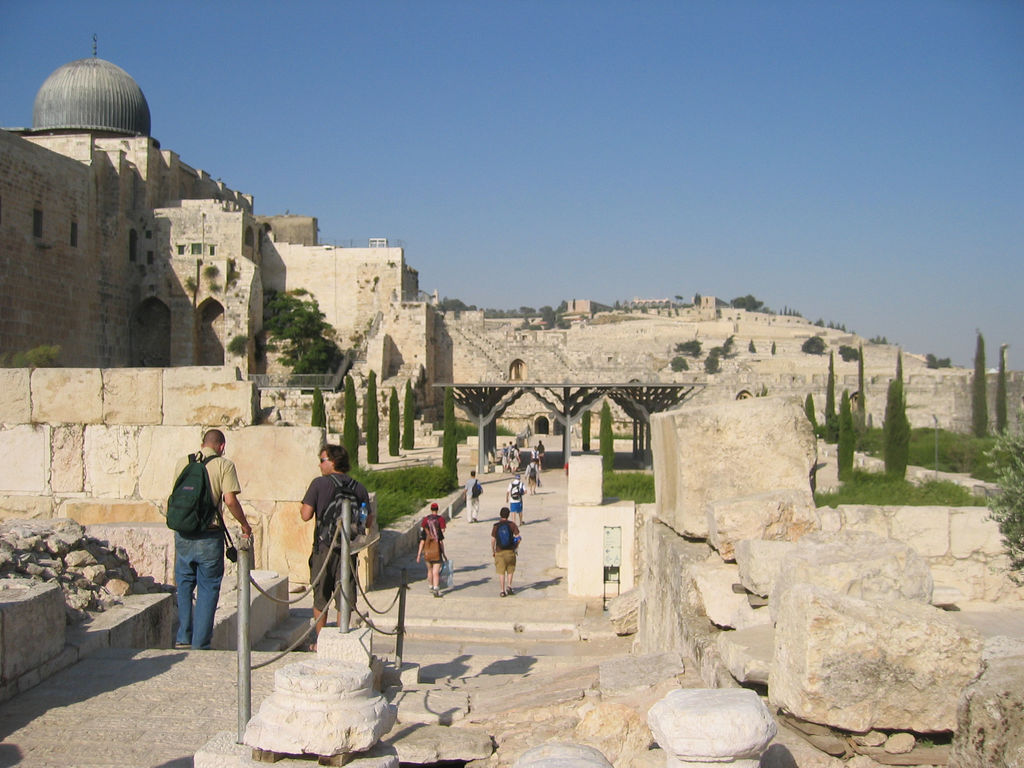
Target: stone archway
(744,395)
(210,333)
(541,426)
(517,371)
(150,334)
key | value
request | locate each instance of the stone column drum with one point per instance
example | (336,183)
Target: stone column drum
(562,754)
(709,726)
(323,708)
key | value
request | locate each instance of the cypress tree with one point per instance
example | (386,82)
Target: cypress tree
(449,459)
(371,420)
(319,418)
(847,437)
(979,396)
(862,395)
(897,431)
(408,419)
(899,365)
(607,439)
(751,347)
(350,432)
(393,423)
(773,347)
(586,430)
(1001,392)
(831,420)
(809,410)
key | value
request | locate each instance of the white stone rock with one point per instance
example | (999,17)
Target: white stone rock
(322,708)
(132,395)
(973,531)
(32,625)
(759,562)
(26,452)
(723,451)
(722,605)
(210,396)
(900,743)
(926,529)
(422,744)
(15,401)
(860,565)
(726,725)
(67,396)
(112,461)
(857,664)
(627,674)
(777,515)
(352,646)
(586,480)
(747,653)
(562,754)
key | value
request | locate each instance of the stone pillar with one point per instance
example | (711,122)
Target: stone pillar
(712,726)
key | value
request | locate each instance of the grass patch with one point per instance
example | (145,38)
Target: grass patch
(402,492)
(636,486)
(957,453)
(880,489)
(464,429)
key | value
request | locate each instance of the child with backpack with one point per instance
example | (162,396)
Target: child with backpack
(431,549)
(505,540)
(514,496)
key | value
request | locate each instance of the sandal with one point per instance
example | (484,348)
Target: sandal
(502,594)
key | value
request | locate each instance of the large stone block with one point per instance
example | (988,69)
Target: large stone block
(973,532)
(67,396)
(289,541)
(132,395)
(15,397)
(586,480)
(759,562)
(926,529)
(856,564)
(159,449)
(26,507)
(990,717)
(723,451)
(275,462)
(865,519)
(721,604)
(67,467)
(207,396)
(780,515)
(26,452)
(32,625)
(863,664)
(150,546)
(112,461)
(101,512)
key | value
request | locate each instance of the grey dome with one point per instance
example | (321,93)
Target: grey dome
(91,94)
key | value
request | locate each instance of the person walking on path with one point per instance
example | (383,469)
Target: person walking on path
(473,491)
(540,455)
(533,476)
(199,557)
(431,549)
(514,497)
(333,481)
(505,540)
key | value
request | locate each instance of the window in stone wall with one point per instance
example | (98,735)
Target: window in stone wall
(181,250)
(149,234)
(37,222)
(197,249)
(133,245)
(149,257)
(213,250)
(74,234)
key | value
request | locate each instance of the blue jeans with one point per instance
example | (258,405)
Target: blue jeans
(198,568)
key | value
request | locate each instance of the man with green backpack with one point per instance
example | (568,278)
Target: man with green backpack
(204,480)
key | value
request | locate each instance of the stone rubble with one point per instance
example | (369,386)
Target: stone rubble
(92,576)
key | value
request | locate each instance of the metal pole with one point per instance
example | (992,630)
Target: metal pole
(244,660)
(345,569)
(400,637)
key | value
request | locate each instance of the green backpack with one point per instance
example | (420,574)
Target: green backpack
(190,507)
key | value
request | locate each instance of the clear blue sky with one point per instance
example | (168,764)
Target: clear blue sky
(861,162)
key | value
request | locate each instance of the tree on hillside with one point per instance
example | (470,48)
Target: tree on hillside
(299,330)
(585,429)
(1001,392)
(848,353)
(678,363)
(899,365)
(393,423)
(751,348)
(831,419)
(862,399)
(809,410)
(607,439)
(748,303)
(1008,507)
(319,417)
(931,361)
(897,431)
(350,431)
(713,362)
(847,437)
(371,420)
(449,456)
(773,347)
(408,419)
(979,395)
(813,346)
(691,348)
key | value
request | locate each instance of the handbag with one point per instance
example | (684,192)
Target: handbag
(447,579)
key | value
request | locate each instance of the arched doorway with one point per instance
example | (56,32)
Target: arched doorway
(150,334)
(541,426)
(210,333)
(744,395)
(517,371)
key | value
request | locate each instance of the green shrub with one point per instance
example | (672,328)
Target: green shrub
(679,364)
(882,489)
(813,346)
(691,348)
(402,492)
(1008,506)
(636,486)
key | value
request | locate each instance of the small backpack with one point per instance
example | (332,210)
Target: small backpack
(503,535)
(190,507)
(516,491)
(326,522)
(477,489)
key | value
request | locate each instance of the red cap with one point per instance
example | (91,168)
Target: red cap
(433,506)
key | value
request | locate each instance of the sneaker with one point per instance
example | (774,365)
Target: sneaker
(182,646)
(437,593)
(510,591)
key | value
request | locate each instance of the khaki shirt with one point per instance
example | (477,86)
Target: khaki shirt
(223,476)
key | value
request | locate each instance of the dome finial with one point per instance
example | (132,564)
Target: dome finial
(94,45)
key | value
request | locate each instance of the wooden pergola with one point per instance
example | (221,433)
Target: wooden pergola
(485,402)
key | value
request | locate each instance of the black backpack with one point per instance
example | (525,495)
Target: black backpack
(477,489)
(516,491)
(503,535)
(190,507)
(345,488)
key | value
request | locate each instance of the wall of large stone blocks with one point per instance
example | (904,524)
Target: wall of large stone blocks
(100,446)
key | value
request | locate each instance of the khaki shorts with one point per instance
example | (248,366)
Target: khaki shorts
(505,561)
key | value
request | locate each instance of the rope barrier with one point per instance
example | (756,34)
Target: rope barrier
(313,584)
